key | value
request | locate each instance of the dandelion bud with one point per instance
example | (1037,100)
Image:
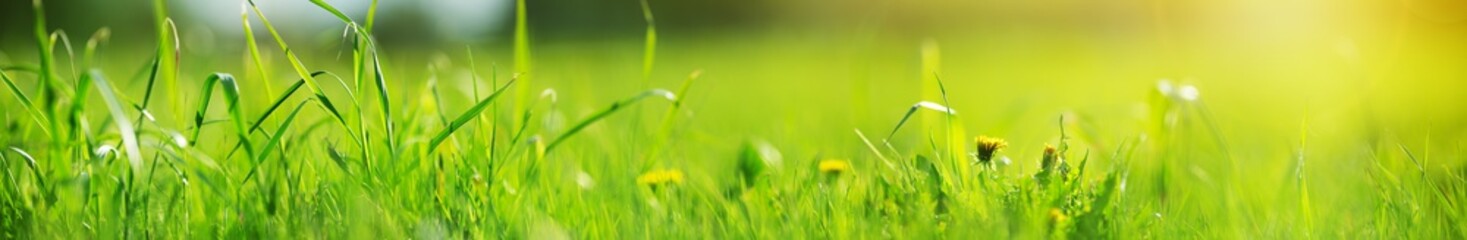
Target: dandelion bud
(1051,156)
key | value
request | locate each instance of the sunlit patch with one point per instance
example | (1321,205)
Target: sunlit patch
(179,140)
(1187,92)
(1165,87)
(584,180)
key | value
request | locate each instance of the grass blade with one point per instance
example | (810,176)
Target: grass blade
(385,102)
(667,118)
(605,112)
(522,61)
(124,127)
(275,139)
(467,116)
(36,113)
(47,70)
(913,110)
(649,50)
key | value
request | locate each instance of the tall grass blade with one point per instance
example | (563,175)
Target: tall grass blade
(254,48)
(386,106)
(667,118)
(124,127)
(522,62)
(649,49)
(47,70)
(168,57)
(36,113)
(275,139)
(290,56)
(467,116)
(311,83)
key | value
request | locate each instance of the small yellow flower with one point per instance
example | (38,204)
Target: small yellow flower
(659,177)
(987,146)
(1057,216)
(835,166)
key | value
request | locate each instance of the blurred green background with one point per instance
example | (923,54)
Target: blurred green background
(828,66)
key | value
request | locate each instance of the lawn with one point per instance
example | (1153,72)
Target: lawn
(763,133)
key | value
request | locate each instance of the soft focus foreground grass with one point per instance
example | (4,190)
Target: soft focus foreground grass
(1290,137)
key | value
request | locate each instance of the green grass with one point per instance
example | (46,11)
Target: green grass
(733,154)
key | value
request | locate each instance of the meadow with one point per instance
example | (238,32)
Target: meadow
(841,133)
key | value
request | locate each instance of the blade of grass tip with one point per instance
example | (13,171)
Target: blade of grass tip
(955,135)
(125,128)
(371,15)
(385,102)
(205,95)
(665,130)
(361,40)
(280,101)
(472,113)
(913,110)
(254,48)
(61,36)
(36,113)
(35,169)
(492,122)
(605,112)
(48,193)
(236,112)
(522,61)
(148,91)
(255,126)
(79,95)
(337,13)
(47,70)
(300,70)
(290,56)
(159,59)
(169,54)
(649,50)
(324,102)
(275,139)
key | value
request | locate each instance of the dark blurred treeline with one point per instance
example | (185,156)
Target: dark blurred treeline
(402,22)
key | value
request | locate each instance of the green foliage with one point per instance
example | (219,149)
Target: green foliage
(412,170)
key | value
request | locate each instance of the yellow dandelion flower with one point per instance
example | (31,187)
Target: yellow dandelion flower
(987,146)
(659,177)
(834,166)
